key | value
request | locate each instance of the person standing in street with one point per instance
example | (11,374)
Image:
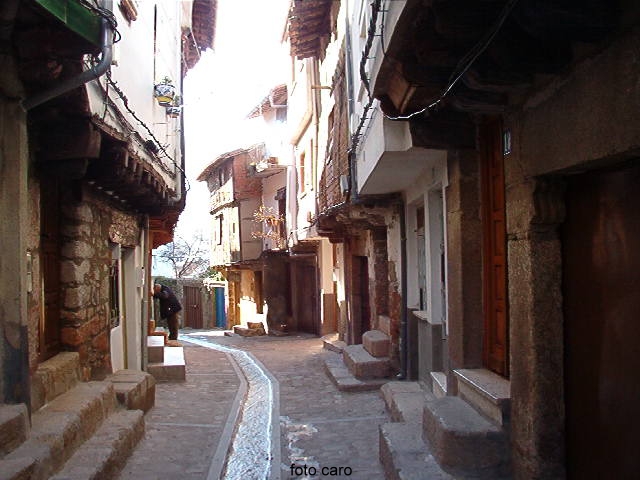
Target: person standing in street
(169,308)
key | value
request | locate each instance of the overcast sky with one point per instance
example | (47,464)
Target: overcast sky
(222,88)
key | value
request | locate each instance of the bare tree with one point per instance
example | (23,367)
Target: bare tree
(187,257)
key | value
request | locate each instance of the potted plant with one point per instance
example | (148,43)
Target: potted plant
(175,108)
(164,91)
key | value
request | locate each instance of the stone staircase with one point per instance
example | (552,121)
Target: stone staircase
(462,437)
(166,361)
(359,367)
(78,430)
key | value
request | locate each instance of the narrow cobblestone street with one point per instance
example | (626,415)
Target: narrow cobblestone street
(319,425)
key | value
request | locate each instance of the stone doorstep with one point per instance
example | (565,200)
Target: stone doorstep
(135,390)
(439,384)
(331,342)
(33,462)
(363,365)
(405,456)
(159,332)
(485,391)
(376,343)
(106,453)
(405,401)
(172,369)
(155,348)
(54,377)
(462,440)
(59,428)
(248,332)
(14,427)
(344,380)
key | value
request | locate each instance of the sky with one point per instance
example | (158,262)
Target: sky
(246,62)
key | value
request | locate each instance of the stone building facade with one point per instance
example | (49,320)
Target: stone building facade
(87,190)
(467,199)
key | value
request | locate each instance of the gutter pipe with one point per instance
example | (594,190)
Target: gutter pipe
(95,72)
(404,327)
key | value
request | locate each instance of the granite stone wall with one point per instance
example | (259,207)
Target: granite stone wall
(89,231)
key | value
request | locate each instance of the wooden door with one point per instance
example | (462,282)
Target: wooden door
(192,307)
(49,332)
(221,312)
(601,295)
(361,312)
(496,328)
(307,298)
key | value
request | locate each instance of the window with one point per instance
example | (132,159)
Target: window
(114,286)
(281,115)
(302,179)
(219,221)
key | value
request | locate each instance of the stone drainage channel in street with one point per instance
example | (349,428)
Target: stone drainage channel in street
(251,432)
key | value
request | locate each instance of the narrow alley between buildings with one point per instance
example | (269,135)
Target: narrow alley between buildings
(415,221)
(315,426)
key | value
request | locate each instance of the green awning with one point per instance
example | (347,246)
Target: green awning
(76,17)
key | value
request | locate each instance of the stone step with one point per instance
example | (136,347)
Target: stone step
(363,365)
(159,332)
(344,380)
(14,427)
(173,367)
(22,468)
(331,342)
(58,429)
(104,454)
(376,343)
(405,456)
(54,377)
(155,348)
(463,440)
(488,393)
(405,401)
(439,384)
(135,390)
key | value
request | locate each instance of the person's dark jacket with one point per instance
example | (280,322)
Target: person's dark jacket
(169,303)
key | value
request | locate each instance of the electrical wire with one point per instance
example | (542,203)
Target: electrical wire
(465,63)
(125,102)
(106,14)
(355,138)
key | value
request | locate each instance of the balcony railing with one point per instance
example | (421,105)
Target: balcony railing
(219,199)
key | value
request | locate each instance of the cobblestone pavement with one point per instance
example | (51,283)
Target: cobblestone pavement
(320,427)
(185,426)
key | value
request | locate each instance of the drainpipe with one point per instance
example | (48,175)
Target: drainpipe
(404,327)
(95,72)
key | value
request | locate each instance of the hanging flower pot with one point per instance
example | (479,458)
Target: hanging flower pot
(173,112)
(164,92)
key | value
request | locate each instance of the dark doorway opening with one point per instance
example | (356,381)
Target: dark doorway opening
(361,321)
(49,331)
